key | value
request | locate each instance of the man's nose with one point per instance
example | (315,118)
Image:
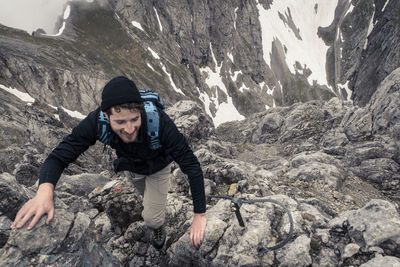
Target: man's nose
(129,128)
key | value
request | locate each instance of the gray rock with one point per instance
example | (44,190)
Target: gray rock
(350,250)
(357,124)
(13,195)
(376,61)
(121,202)
(42,239)
(384,106)
(296,253)
(191,120)
(319,173)
(375,223)
(103,224)
(388,261)
(5,224)
(81,184)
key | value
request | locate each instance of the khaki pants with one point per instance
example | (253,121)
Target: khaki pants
(154,189)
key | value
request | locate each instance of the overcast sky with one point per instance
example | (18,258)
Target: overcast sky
(29,15)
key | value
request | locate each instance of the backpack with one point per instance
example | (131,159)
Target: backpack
(152,103)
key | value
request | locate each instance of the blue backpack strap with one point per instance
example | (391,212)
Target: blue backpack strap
(151,101)
(153,97)
(103,129)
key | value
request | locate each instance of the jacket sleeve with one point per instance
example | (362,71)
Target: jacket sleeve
(176,145)
(74,144)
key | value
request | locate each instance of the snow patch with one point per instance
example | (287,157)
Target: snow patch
(370,28)
(158,19)
(150,66)
(137,25)
(155,55)
(346,88)
(60,31)
(226,111)
(384,7)
(23,96)
(235,74)
(74,114)
(170,80)
(311,50)
(67,12)
(206,101)
(243,87)
(351,7)
(230,56)
(234,22)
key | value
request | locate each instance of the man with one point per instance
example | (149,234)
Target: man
(148,168)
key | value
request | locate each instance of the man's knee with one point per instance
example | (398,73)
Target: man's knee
(153,219)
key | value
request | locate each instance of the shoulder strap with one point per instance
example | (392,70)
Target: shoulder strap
(151,101)
(153,97)
(103,129)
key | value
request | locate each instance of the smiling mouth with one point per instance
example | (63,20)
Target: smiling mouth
(127,135)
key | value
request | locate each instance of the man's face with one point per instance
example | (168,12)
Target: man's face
(125,124)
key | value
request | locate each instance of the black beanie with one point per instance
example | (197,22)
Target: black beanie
(119,90)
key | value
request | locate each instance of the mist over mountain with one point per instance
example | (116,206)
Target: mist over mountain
(296,100)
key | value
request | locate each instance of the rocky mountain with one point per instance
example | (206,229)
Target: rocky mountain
(334,163)
(224,55)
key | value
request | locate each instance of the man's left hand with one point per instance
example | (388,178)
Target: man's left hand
(197,229)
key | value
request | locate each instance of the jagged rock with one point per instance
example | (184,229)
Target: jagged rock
(296,253)
(358,125)
(81,184)
(316,168)
(179,182)
(5,224)
(180,250)
(350,250)
(384,106)
(382,261)
(103,224)
(375,63)
(375,224)
(13,195)
(121,202)
(47,238)
(191,120)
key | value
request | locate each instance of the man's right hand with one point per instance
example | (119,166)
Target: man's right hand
(36,207)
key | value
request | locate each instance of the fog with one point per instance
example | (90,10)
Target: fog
(29,15)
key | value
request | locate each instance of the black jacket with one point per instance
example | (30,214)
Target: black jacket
(136,157)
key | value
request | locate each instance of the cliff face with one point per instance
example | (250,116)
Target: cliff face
(381,55)
(364,40)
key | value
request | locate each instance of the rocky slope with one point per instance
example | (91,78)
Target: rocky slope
(336,168)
